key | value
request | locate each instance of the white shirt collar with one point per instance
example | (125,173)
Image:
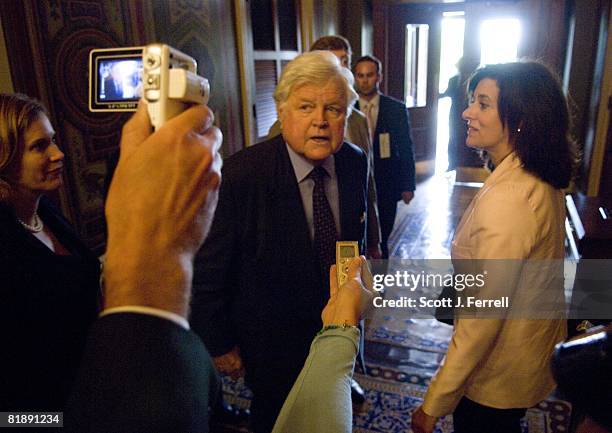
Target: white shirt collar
(302,166)
(375,101)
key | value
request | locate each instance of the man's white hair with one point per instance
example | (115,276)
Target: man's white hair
(318,68)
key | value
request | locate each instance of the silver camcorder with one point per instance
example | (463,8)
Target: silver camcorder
(164,76)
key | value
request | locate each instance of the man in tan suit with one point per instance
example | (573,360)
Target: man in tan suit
(357,133)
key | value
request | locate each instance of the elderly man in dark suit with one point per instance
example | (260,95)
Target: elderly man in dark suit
(262,276)
(394,170)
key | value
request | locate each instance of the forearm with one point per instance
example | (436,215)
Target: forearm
(132,279)
(320,400)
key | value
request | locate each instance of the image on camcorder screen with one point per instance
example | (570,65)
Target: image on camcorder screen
(120,80)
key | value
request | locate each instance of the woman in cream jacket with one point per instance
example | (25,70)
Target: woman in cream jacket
(497,365)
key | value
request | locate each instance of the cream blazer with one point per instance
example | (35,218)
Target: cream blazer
(500,362)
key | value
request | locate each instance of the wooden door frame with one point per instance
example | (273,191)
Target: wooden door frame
(246,57)
(603,121)
(244,41)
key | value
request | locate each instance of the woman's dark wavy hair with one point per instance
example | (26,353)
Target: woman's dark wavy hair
(533,107)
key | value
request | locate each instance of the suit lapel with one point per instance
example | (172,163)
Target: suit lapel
(348,192)
(285,201)
(380,121)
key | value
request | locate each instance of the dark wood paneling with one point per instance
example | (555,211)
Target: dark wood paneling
(549,30)
(590,19)
(326,18)
(605,185)
(204,29)
(17,40)
(356,26)
(380,12)
(423,118)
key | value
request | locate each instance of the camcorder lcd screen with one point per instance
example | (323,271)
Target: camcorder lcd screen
(120,80)
(116,79)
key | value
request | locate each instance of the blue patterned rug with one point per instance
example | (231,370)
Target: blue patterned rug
(392,395)
(422,334)
(400,366)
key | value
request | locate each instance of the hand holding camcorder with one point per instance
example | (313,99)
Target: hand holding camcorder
(165,77)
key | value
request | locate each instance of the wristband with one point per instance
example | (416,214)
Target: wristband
(344,327)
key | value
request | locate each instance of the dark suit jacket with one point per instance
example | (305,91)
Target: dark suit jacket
(256,279)
(48,302)
(395,174)
(142,374)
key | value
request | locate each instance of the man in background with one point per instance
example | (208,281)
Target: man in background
(394,170)
(459,153)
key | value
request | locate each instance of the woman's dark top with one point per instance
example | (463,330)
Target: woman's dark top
(47,304)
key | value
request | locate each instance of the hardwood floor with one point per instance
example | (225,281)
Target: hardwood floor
(424,229)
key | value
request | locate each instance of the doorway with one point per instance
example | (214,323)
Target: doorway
(453,29)
(499,42)
(427,41)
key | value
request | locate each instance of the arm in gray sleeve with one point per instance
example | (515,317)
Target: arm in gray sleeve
(320,400)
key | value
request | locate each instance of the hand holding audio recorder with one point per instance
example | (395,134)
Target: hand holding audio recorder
(345,252)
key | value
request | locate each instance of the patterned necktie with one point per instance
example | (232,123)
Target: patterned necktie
(325,235)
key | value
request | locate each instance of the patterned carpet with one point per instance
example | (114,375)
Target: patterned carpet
(389,401)
(398,377)
(400,365)
(390,397)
